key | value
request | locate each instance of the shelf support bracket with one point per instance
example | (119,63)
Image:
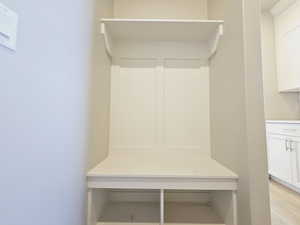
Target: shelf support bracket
(214,42)
(107,39)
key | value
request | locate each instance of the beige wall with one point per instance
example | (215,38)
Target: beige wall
(282,106)
(99,90)
(216,9)
(161,9)
(255,121)
(237,119)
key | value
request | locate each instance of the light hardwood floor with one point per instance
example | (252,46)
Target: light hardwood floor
(285,205)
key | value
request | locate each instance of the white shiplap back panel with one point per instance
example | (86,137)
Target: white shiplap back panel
(187,105)
(160,105)
(133,104)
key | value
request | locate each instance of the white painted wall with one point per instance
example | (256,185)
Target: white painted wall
(237,119)
(278,106)
(161,9)
(44,98)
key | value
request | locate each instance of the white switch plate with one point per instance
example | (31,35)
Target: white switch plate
(8,27)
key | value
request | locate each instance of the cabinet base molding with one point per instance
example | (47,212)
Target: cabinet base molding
(292,187)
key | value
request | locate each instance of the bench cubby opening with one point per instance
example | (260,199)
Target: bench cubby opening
(190,207)
(116,206)
(159,207)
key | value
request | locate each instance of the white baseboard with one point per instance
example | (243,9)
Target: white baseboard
(290,186)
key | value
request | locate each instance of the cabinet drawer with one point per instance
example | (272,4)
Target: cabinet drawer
(284,129)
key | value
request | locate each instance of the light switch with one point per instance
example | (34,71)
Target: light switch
(8,27)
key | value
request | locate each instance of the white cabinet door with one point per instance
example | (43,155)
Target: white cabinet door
(279,158)
(295,157)
(287,29)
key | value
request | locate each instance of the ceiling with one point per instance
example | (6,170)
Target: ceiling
(267,4)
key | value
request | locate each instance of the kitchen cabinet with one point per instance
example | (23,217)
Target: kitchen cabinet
(283,142)
(279,158)
(287,35)
(295,155)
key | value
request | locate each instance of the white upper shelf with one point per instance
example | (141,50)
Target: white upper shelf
(161,29)
(209,31)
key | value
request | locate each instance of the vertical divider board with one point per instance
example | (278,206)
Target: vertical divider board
(96,200)
(234,204)
(162,206)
